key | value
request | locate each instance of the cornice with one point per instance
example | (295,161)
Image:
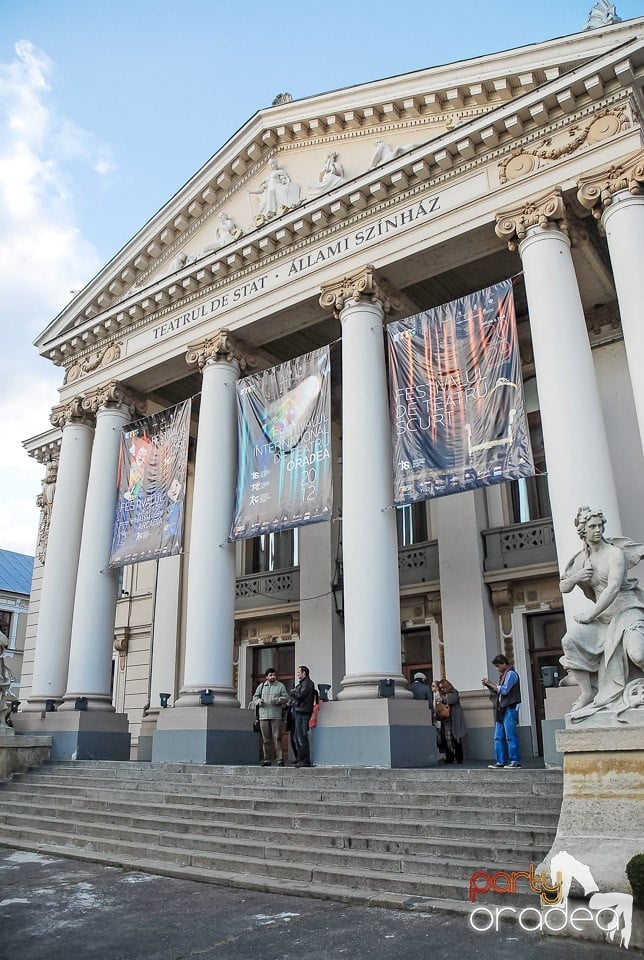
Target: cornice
(367,284)
(424,168)
(303,122)
(596,191)
(221,347)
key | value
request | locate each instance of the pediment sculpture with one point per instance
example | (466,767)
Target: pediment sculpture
(226,232)
(385,152)
(332,175)
(277,194)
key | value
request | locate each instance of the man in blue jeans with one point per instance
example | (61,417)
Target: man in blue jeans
(303,698)
(508,691)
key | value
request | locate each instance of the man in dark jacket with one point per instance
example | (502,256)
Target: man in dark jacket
(303,697)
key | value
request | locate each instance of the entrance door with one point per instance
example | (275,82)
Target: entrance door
(545,631)
(417,653)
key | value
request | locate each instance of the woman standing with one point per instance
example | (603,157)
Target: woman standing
(450,720)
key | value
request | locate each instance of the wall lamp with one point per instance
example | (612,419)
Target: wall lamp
(163,698)
(80,703)
(206,698)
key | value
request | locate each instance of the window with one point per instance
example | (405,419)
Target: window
(5,622)
(272,551)
(412,524)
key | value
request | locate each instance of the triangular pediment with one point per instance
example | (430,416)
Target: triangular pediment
(308,159)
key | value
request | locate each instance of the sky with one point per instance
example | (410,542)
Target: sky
(106,110)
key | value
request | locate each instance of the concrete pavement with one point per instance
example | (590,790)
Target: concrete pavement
(53,908)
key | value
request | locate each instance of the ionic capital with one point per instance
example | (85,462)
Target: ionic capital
(365,285)
(115,394)
(72,411)
(596,191)
(221,347)
(548,210)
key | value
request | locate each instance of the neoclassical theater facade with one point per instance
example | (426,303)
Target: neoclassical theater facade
(319,222)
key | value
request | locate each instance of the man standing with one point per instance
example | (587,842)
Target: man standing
(508,691)
(303,696)
(270,697)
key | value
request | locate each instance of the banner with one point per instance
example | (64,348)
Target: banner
(148,522)
(457,410)
(284,427)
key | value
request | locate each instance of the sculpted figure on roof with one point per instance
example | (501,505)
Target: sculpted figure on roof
(384,152)
(602,15)
(332,175)
(226,232)
(277,194)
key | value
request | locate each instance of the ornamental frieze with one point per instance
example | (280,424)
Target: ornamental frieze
(601,126)
(45,500)
(97,360)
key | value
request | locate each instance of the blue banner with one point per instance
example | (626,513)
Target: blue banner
(456,397)
(284,429)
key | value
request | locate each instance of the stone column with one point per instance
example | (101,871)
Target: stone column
(390,732)
(616,198)
(579,465)
(86,734)
(192,732)
(369,539)
(62,551)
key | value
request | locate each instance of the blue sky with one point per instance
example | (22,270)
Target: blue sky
(107,109)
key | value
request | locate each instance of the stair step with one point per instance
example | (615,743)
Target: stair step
(376,836)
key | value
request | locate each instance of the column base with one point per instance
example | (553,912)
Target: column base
(602,814)
(81,734)
(222,697)
(386,732)
(218,735)
(364,686)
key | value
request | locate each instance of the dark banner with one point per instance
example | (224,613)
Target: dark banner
(284,426)
(148,522)
(457,411)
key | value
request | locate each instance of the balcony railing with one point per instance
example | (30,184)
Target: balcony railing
(521,545)
(418,563)
(267,589)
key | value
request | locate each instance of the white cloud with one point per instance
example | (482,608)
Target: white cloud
(43,256)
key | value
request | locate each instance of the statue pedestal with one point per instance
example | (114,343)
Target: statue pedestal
(602,814)
(18,754)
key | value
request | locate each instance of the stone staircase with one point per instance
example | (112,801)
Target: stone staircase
(403,838)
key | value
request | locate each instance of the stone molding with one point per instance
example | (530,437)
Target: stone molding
(96,360)
(221,347)
(546,211)
(114,394)
(365,285)
(596,191)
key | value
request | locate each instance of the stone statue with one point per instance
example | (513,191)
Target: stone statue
(602,15)
(277,194)
(7,680)
(227,231)
(332,175)
(384,152)
(604,650)
(45,500)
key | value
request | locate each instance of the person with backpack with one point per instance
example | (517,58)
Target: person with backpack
(303,698)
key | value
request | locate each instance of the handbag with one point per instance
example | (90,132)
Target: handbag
(442,711)
(256,726)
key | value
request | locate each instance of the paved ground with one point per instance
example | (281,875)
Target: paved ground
(54,909)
